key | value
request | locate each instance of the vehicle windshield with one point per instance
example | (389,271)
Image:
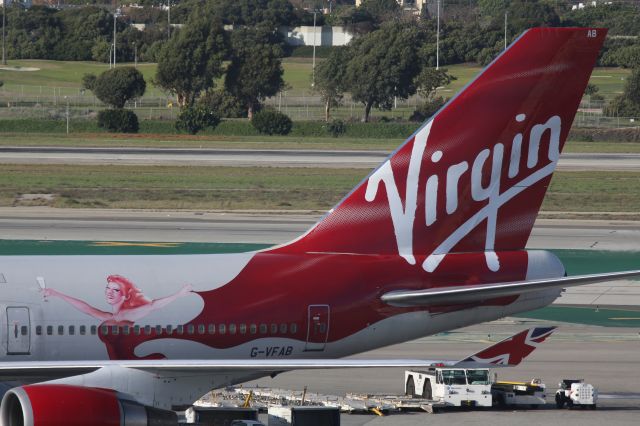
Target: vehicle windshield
(478,377)
(454,377)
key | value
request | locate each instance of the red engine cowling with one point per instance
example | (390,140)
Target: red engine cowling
(65,405)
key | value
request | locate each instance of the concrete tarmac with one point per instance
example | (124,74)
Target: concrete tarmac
(605,357)
(265,157)
(42,223)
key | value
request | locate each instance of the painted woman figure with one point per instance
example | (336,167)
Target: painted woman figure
(126,300)
(128,304)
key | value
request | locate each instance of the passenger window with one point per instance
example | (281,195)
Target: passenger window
(158,329)
(83,330)
(61,330)
(191,329)
(283,328)
(212,329)
(115,330)
(125,330)
(180,329)
(201,329)
(274,328)
(147,330)
(222,329)
(169,329)
(136,330)
(293,328)
(94,330)
(72,330)
(24,330)
(243,328)
(263,328)
(253,329)
(39,330)
(232,329)
(49,330)
(104,329)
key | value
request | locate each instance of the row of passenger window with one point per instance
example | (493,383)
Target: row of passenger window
(169,329)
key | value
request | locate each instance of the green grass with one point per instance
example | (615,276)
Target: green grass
(297,74)
(252,142)
(594,192)
(262,188)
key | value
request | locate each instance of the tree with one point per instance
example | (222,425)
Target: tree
(628,104)
(118,85)
(381,10)
(192,59)
(383,66)
(430,79)
(255,69)
(271,13)
(331,79)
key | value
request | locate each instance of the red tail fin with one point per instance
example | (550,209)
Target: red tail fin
(472,178)
(513,350)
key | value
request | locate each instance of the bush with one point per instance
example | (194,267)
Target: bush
(427,109)
(118,120)
(336,128)
(116,86)
(196,118)
(270,122)
(224,104)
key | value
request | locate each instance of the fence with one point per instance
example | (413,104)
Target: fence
(42,102)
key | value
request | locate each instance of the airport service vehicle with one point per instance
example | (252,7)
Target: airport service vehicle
(456,385)
(507,394)
(432,240)
(450,387)
(575,392)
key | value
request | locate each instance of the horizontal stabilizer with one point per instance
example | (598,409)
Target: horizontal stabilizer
(511,351)
(482,292)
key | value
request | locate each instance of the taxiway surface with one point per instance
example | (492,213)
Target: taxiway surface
(265,157)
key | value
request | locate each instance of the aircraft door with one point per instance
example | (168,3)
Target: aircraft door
(318,327)
(18,331)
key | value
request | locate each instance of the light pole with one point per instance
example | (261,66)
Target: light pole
(115,5)
(438,40)
(505,29)
(66,98)
(4,20)
(313,66)
(168,19)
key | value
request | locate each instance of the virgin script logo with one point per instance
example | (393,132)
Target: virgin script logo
(403,208)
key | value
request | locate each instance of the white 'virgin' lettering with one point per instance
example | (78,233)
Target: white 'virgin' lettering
(403,216)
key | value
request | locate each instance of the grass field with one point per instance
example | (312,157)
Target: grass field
(66,77)
(231,188)
(253,142)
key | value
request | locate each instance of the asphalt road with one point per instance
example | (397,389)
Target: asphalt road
(267,158)
(185,226)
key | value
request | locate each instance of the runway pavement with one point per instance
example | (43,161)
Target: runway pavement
(269,158)
(258,227)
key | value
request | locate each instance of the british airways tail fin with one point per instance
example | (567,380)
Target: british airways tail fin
(511,351)
(473,177)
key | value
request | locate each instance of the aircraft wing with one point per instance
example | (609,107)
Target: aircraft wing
(481,292)
(510,351)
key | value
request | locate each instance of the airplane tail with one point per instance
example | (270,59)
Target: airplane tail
(512,350)
(473,177)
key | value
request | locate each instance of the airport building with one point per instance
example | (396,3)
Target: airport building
(407,4)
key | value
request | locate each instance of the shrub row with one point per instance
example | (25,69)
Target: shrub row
(299,128)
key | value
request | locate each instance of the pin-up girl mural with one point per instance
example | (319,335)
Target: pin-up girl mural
(128,305)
